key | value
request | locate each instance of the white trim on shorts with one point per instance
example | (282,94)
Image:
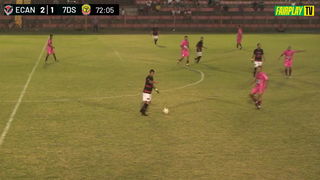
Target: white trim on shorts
(155,37)
(199,53)
(146,97)
(257,63)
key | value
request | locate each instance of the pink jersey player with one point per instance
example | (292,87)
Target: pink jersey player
(288,57)
(184,48)
(288,60)
(50,49)
(261,80)
(239,38)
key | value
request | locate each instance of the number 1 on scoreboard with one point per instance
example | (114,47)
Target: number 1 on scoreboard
(52,9)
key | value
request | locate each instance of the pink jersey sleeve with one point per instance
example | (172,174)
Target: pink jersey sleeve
(49,42)
(182,43)
(284,52)
(264,76)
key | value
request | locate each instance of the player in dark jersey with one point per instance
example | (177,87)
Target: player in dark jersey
(199,50)
(155,34)
(257,56)
(146,95)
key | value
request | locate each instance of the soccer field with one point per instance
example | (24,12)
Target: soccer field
(79,118)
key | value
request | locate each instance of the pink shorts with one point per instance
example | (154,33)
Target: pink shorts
(288,63)
(239,39)
(184,53)
(257,89)
(50,51)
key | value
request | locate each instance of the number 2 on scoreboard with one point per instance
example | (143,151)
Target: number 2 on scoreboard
(43,10)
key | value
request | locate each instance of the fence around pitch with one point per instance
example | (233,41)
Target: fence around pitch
(136,21)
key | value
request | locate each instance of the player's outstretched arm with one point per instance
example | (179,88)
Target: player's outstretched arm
(280,56)
(253,56)
(153,82)
(267,81)
(253,82)
(264,59)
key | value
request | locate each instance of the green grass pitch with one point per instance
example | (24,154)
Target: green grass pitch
(79,118)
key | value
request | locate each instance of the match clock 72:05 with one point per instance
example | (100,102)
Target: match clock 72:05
(102,9)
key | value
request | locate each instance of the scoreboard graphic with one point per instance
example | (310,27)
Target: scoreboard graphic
(61,9)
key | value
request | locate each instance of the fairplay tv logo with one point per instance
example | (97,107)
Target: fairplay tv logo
(294,11)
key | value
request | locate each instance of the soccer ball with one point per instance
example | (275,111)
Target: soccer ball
(165,110)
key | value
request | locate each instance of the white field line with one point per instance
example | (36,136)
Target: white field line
(192,84)
(117,53)
(120,96)
(16,107)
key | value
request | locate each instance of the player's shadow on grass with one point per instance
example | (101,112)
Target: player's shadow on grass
(309,72)
(161,46)
(187,103)
(308,83)
(214,98)
(198,101)
(278,71)
(148,61)
(107,105)
(172,69)
(75,56)
(209,60)
(281,84)
(229,51)
(281,71)
(249,71)
(234,50)
(296,99)
(246,50)
(46,65)
(215,68)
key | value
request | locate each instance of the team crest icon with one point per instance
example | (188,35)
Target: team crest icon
(86,9)
(8,10)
